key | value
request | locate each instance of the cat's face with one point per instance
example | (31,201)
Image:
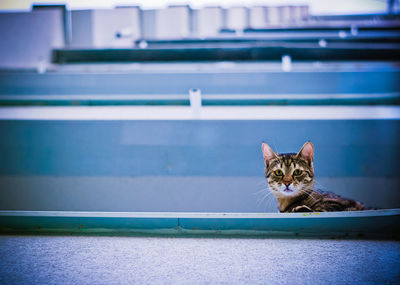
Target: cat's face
(290,174)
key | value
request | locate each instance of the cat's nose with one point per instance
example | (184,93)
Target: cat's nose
(287,183)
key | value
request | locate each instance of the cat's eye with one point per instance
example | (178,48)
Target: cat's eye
(278,172)
(297,172)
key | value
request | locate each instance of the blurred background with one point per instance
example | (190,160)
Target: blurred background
(162,106)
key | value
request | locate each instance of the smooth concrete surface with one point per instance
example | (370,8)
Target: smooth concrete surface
(155,260)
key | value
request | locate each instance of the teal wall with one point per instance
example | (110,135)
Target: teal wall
(244,79)
(187,165)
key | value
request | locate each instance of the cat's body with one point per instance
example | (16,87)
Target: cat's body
(319,201)
(290,178)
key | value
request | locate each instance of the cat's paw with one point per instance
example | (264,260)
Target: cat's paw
(302,209)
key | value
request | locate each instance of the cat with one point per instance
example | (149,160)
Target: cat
(291,179)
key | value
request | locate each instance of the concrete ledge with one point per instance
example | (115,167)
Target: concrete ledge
(205,113)
(381,223)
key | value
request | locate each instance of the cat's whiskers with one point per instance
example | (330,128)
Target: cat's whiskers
(306,191)
(261,182)
(268,200)
(261,191)
(261,199)
(267,194)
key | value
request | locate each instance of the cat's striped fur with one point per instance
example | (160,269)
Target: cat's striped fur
(291,179)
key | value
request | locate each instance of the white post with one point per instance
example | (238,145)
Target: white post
(322,43)
(342,34)
(195,102)
(354,30)
(286,63)
(41,65)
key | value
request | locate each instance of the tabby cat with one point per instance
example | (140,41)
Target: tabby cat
(290,178)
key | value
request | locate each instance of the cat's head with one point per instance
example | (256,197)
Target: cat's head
(289,174)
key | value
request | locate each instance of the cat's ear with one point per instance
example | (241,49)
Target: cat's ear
(268,153)
(307,152)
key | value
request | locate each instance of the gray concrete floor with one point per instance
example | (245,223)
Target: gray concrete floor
(176,260)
